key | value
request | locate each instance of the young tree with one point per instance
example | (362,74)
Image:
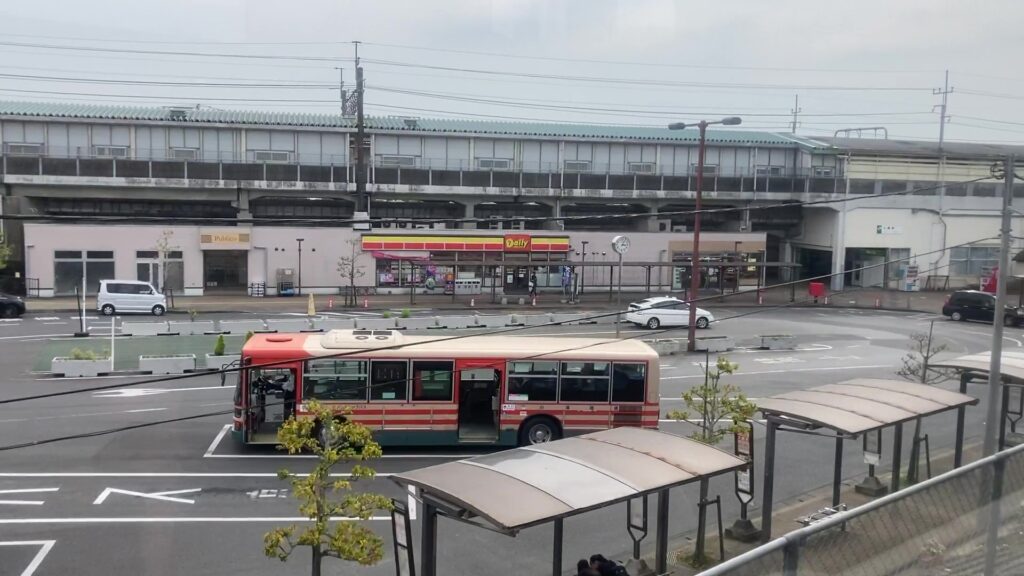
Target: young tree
(721,407)
(916,367)
(164,249)
(333,441)
(5,252)
(350,270)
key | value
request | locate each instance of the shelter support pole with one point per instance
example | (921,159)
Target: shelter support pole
(837,473)
(702,520)
(897,448)
(661,550)
(428,540)
(769,481)
(1003,409)
(556,549)
(958,451)
(994,513)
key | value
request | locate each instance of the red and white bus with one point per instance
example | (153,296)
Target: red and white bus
(433,390)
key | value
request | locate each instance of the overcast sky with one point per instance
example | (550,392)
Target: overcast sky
(644,62)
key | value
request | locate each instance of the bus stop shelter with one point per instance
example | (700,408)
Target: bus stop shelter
(846,411)
(974,367)
(516,489)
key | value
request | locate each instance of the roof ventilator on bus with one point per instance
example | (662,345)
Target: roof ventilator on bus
(356,338)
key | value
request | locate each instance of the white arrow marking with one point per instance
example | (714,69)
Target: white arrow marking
(25,491)
(44,548)
(132,392)
(165,496)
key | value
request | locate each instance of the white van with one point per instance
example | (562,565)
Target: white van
(121,296)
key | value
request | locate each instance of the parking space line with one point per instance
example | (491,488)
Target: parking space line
(44,548)
(822,369)
(210,453)
(171,520)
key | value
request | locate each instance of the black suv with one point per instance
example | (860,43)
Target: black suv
(976,305)
(11,306)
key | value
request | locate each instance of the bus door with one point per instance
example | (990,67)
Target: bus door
(271,402)
(478,390)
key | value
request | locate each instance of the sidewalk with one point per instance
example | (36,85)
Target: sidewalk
(597,299)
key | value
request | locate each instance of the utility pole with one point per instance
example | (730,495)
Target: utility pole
(361,203)
(995,378)
(945,91)
(796,110)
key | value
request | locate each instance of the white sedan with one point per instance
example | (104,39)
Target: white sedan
(665,311)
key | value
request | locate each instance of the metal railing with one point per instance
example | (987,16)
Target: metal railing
(966,521)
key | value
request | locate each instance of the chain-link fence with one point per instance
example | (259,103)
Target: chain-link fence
(940,526)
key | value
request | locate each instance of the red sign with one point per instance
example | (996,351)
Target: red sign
(517,243)
(990,283)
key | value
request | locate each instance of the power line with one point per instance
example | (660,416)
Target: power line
(73,80)
(176,53)
(399,346)
(635,81)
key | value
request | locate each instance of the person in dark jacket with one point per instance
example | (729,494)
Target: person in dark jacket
(583,569)
(606,567)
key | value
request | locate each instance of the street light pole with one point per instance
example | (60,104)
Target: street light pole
(583,263)
(691,335)
(298,287)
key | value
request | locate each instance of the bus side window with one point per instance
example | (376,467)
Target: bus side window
(628,382)
(329,379)
(432,380)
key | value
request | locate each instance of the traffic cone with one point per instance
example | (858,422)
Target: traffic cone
(534,301)
(878,302)
(330,302)
(311,307)
(366,302)
(472,302)
(760,298)
(826,300)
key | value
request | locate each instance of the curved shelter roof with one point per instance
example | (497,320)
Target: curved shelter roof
(527,486)
(861,405)
(1011,365)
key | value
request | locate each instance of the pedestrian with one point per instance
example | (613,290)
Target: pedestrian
(606,567)
(533,284)
(583,568)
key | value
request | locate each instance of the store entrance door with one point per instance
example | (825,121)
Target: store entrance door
(517,279)
(225,270)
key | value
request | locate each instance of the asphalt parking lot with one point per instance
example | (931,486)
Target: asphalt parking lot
(183,498)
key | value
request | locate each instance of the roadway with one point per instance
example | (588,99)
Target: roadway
(182,498)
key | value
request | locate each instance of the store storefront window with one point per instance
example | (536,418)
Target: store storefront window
(70,265)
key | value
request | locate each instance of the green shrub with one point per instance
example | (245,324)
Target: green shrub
(79,354)
(406,313)
(247,336)
(218,347)
(192,313)
(386,314)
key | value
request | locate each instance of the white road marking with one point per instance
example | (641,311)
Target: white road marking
(25,491)
(173,520)
(133,392)
(36,337)
(44,548)
(223,431)
(824,369)
(45,318)
(989,334)
(162,475)
(55,323)
(163,496)
(81,415)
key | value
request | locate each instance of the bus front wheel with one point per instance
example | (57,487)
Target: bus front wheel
(539,430)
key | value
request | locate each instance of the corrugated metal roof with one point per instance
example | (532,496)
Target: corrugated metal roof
(396,124)
(862,404)
(170,114)
(527,486)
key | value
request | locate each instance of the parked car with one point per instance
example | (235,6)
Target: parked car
(11,306)
(977,305)
(665,311)
(125,296)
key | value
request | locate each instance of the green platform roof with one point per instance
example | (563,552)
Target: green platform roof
(193,115)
